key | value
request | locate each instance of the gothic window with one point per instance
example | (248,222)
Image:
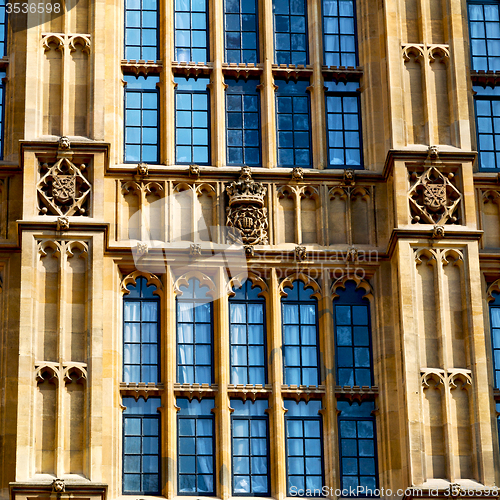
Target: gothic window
(495,337)
(2,111)
(484,30)
(141,30)
(247,336)
(3,30)
(243,123)
(343,124)
(250,458)
(304,450)
(141,119)
(300,336)
(194,335)
(358,447)
(290,32)
(192,121)
(141,446)
(293,124)
(352,337)
(140,333)
(487,104)
(339,33)
(240,31)
(195,447)
(191,31)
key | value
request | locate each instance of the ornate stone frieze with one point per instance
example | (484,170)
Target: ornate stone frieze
(433,198)
(246,214)
(63,189)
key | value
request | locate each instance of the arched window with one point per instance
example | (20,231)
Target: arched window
(141,319)
(300,336)
(247,316)
(194,335)
(353,351)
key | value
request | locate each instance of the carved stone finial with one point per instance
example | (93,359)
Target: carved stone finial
(348,176)
(58,485)
(194,249)
(352,254)
(62,223)
(142,169)
(433,152)
(297,174)
(194,171)
(64,143)
(246,215)
(300,253)
(438,232)
(141,249)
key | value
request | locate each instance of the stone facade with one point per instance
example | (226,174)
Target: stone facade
(417,229)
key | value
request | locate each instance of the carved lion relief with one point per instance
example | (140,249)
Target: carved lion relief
(63,189)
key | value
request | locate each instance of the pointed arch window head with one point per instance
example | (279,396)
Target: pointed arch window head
(194,334)
(299,311)
(141,319)
(247,319)
(352,337)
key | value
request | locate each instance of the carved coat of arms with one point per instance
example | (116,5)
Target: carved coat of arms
(246,214)
(435,196)
(63,188)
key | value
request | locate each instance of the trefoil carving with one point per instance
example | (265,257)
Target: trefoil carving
(246,214)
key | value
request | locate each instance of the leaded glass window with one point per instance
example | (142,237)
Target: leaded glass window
(141,119)
(343,124)
(487,104)
(293,124)
(141,446)
(358,448)
(352,337)
(140,333)
(191,31)
(240,31)
(195,447)
(304,450)
(243,122)
(290,32)
(250,458)
(141,30)
(495,337)
(194,334)
(484,30)
(339,33)
(192,121)
(247,336)
(299,311)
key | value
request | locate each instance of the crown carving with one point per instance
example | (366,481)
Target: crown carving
(245,191)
